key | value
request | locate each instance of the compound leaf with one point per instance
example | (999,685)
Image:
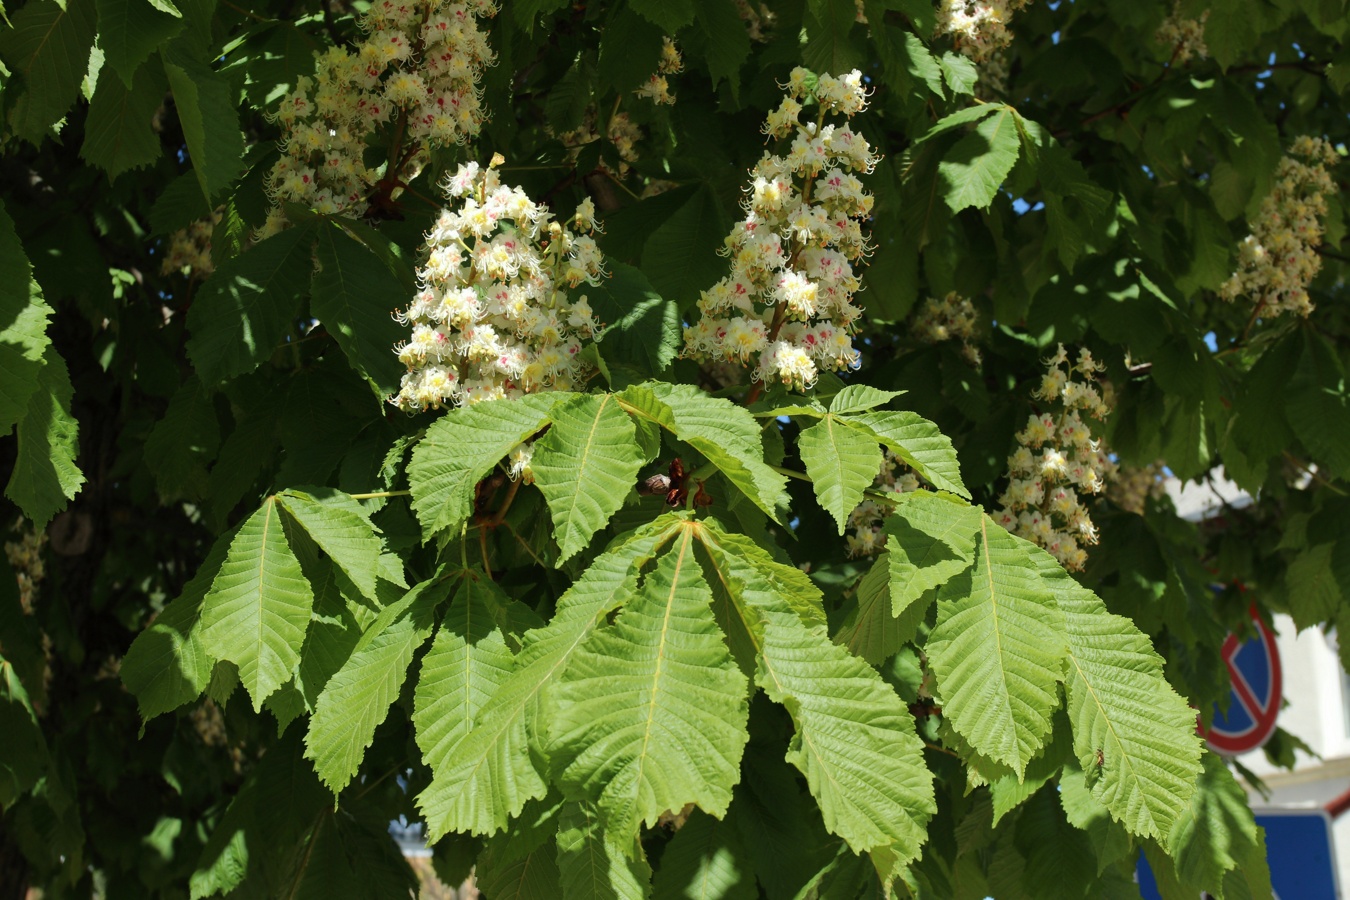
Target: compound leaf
(651,711)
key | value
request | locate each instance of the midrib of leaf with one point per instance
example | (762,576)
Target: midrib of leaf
(505,722)
(661,654)
(803,734)
(1111,726)
(587,450)
(993,604)
(262,566)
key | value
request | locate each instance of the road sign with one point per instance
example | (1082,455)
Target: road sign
(1254,700)
(1300,852)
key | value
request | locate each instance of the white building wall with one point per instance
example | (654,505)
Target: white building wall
(1315,710)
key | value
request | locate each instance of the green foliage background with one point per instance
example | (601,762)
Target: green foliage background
(279,614)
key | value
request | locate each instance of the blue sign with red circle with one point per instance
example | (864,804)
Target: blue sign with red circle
(1254,701)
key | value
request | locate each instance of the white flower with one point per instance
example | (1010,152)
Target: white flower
(495,317)
(786,307)
(1279,259)
(422,61)
(1042,500)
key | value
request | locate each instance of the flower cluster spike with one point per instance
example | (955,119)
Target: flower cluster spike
(953,318)
(866,537)
(1131,487)
(414,76)
(978,28)
(657,87)
(1057,460)
(786,310)
(189,250)
(495,316)
(1278,260)
(25,558)
(1185,36)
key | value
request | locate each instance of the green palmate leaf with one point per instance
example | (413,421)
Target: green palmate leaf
(334,631)
(628,45)
(23,327)
(45,476)
(353,294)
(130,30)
(671,15)
(854,739)
(723,40)
(490,774)
(842,463)
(1110,841)
(468,661)
(918,442)
(205,104)
(642,328)
(167,666)
(959,72)
(1317,403)
(357,698)
(1121,705)
(1216,835)
(723,432)
(461,448)
(1008,791)
(592,865)
(706,860)
(860,398)
(975,166)
(258,608)
(530,876)
(183,443)
(930,539)
(870,630)
(585,466)
(1059,860)
(25,756)
(48,48)
(118,135)
(345,534)
(998,650)
(651,711)
(245,310)
(1314,594)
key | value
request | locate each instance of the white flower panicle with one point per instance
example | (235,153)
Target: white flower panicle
(1131,487)
(1278,260)
(1185,36)
(1057,461)
(189,249)
(25,558)
(496,316)
(953,318)
(978,28)
(657,88)
(786,308)
(415,73)
(866,537)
